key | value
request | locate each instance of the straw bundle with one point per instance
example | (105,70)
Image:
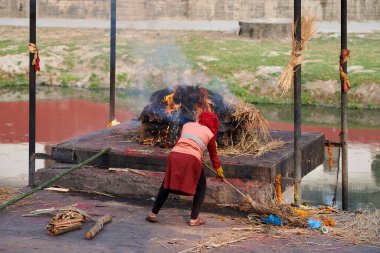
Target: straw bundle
(66,221)
(251,135)
(307,31)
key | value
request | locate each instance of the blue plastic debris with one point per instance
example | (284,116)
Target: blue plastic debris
(314,224)
(272,219)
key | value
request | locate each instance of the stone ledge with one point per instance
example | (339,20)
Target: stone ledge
(131,184)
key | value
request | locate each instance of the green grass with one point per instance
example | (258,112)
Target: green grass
(94,82)
(68,78)
(9,46)
(234,55)
(219,55)
(12,81)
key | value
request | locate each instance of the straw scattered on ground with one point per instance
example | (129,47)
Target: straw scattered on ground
(7,194)
(360,227)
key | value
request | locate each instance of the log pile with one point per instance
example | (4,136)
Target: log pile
(65,221)
(169,109)
(242,128)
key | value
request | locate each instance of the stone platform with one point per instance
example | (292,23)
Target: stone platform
(127,153)
(252,175)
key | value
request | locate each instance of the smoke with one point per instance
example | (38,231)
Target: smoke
(160,63)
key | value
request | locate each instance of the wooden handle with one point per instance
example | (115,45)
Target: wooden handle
(231,185)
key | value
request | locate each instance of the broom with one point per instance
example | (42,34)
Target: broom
(258,208)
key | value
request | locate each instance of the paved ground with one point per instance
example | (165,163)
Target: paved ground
(129,232)
(198,25)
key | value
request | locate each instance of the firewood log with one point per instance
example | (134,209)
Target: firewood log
(98,226)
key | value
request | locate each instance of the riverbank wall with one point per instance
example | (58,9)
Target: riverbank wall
(326,10)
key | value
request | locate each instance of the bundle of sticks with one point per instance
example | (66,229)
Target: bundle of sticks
(66,221)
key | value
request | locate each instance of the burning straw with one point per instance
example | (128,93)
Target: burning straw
(307,31)
(243,129)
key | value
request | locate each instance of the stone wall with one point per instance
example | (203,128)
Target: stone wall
(329,10)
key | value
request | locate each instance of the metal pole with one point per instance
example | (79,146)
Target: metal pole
(344,136)
(112,60)
(297,108)
(32,93)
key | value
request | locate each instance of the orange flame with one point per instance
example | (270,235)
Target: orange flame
(204,104)
(171,107)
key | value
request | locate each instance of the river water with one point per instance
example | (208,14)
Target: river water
(72,115)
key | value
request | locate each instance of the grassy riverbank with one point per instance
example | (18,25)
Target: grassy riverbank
(153,60)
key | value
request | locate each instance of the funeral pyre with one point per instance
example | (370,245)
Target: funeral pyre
(242,128)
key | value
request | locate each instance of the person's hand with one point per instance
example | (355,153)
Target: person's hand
(220,173)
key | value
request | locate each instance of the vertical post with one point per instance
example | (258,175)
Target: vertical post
(32,93)
(297,108)
(344,133)
(112,60)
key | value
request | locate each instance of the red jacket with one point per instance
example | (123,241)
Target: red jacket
(184,164)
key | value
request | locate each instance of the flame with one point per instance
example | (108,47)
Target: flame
(204,103)
(171,107)
(113,123)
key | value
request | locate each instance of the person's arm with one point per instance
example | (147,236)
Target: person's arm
(211,147)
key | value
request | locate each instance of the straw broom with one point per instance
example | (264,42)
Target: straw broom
(258,208)
(307,31)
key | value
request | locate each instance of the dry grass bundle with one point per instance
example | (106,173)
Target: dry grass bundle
(308,29)
(251,135)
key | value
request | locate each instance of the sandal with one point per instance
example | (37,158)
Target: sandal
(151,218)
(197,222)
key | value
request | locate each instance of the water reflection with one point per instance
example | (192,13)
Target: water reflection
(318,186)
(14,163)
(375,169)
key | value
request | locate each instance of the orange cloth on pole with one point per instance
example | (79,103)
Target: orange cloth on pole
(36,59)
(345,53)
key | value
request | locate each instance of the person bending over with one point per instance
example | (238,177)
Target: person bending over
(184,170)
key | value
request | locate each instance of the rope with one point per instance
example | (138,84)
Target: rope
(36,59)
(345,53)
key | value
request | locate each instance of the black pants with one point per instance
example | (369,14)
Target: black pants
(199,196)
